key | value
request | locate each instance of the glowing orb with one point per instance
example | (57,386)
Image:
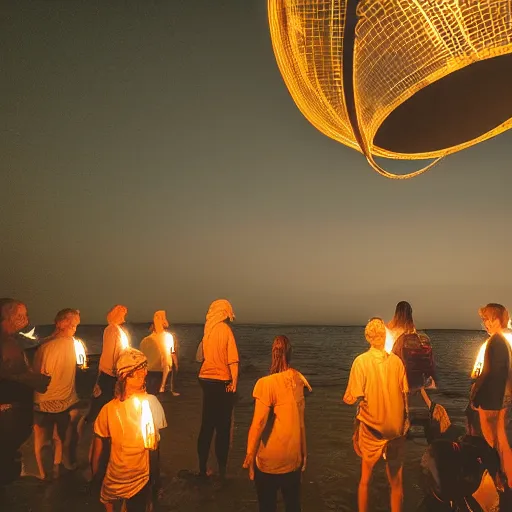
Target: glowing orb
(402,79)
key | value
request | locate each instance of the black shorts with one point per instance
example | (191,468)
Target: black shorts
(48,420)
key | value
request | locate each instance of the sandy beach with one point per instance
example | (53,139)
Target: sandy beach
(330,481)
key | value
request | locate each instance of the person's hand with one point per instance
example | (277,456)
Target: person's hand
(249,464)
(304,463)
(96,392)
(231,387)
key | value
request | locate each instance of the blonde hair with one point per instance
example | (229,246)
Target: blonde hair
(495,311)
(113,314)
(281,354)
(375,332)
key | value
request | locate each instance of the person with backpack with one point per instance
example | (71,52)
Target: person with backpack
(413,348)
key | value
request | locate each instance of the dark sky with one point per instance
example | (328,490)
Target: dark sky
(151,155)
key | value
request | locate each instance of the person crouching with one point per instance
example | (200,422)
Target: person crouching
(379,381)
(132,473)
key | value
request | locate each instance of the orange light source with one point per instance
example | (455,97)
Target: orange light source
(169,342)
(365,72)
(147,426)
(81,353)
(479,362)
(388,346)
(125,342)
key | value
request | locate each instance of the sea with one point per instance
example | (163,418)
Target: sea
(324,354)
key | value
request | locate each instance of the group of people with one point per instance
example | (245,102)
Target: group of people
(399,367)
(384,382)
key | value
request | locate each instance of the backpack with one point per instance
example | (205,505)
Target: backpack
(415,351)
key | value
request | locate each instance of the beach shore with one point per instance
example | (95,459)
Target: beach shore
(329,483)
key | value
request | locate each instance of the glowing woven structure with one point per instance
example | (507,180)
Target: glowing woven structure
(404,79)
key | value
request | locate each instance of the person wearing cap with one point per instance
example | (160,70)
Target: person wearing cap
(17,385)
(218,377)
(159,349)
(132,473)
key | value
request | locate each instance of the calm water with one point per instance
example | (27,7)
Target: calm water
(323,354)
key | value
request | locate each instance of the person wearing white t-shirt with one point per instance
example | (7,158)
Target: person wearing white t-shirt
(115,340)
(56,358)
(160,351)
(132,473)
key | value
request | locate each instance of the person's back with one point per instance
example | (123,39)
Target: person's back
(379,378)
(219,351)
(415,351)
(280,449)
(57,358)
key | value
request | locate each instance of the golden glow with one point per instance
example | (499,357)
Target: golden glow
(81,353)
(30,334)
(125,342)
(147,426)
(401,47)
(169,342)
(479,361)
(388,346)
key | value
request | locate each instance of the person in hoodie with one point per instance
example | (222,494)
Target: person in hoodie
(218,378)
(379,383)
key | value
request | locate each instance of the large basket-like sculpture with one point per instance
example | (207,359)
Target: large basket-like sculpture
(404,79)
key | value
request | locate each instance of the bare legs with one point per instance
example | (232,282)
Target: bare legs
(394,473)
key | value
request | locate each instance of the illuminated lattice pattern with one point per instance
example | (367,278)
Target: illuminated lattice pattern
(401,47)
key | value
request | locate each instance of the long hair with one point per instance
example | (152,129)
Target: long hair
(493,311)
(403,318)
(281,354)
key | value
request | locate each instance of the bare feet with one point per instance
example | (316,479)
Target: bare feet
(175,393)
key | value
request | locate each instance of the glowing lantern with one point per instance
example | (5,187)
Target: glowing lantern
(402,79)
(125,342)
(30,334)
(479,362)
(169,342)
(147,425)
(80,352)
(388,346)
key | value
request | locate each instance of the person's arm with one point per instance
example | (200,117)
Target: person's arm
(303,443)
(97,450)
(259,420)
(355,386)
(233,369)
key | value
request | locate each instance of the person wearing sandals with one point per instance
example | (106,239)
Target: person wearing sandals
(276,445)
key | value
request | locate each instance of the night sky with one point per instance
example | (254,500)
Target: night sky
(152,156)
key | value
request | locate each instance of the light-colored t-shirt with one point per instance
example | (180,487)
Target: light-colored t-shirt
(56,357)
(112,346)
(219,351)
(380,380)
(280,449)
(158,349)
(128,466)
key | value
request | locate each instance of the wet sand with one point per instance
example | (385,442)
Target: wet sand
(329,483)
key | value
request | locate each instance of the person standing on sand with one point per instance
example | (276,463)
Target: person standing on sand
(491,393)
(378,380)
(159,350)
(115,341)
(133,470)
(276,446)
(218,378)
(52,409)
(17,384)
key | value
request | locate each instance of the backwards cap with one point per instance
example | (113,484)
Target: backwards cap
(130,359)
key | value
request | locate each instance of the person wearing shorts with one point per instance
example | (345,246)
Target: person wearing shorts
(52,410)
(379,382)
